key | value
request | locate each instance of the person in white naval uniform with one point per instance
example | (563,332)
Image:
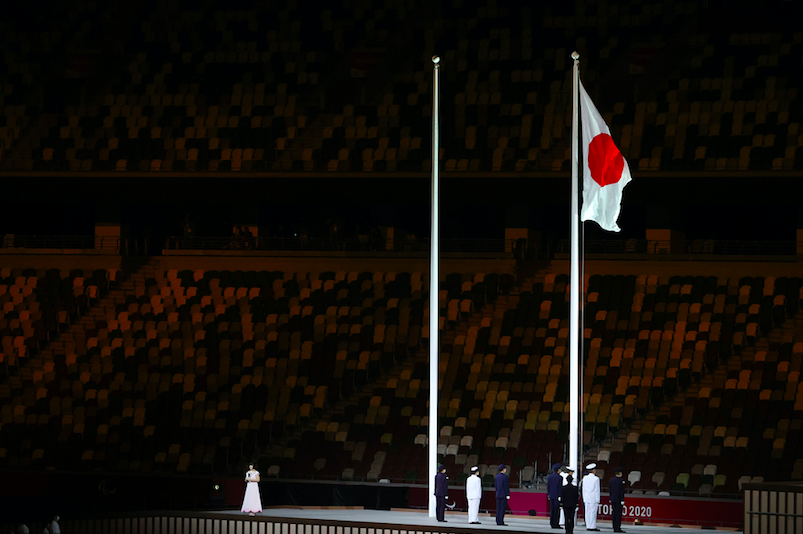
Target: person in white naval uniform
(590,488)
(474,495)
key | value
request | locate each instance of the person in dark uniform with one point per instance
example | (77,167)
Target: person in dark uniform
(617,485)
(441,493)
(553,485)
(502,485)
(569,498)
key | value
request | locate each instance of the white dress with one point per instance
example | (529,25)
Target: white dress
(251,502)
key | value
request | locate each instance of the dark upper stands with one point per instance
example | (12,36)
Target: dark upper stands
(204,88)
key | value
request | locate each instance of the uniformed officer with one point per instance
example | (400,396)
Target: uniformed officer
(441,493)
(617,485)
(553,484)
(569,498)
(564,474)
(502,485)
(474,495)
(591,496)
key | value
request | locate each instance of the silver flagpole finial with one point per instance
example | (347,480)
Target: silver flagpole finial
(575,55)
(436,59)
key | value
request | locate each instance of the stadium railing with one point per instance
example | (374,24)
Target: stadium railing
(60,242)
(709,246)
(350,244)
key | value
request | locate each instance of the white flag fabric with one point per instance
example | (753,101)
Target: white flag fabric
(606,172)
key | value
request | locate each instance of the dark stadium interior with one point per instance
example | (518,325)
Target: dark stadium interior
(215,233)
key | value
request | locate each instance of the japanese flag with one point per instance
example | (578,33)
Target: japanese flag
(606,172)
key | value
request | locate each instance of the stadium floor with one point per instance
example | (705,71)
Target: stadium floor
(398,519)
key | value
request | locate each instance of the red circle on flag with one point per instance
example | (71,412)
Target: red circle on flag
(604,160)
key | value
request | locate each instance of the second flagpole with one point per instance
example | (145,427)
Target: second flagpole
(575,399)
(434,326)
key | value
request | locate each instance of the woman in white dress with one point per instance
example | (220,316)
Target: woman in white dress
(252,504)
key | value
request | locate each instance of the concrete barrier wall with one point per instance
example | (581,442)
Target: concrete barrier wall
(316,263)
(61,261)
(773,508)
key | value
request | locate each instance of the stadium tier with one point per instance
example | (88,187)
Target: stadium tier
(691,383)
(203,88)
(653,345)
(239,358)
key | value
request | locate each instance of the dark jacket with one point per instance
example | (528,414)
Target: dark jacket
(553,485)
(502,485)
(441,485)
(569,496)
(617,485)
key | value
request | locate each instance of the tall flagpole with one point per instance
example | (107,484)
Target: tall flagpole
(574,279)
(434,327)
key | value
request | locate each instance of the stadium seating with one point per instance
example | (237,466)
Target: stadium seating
(382,423)
(674,336)
(239,358)
(37,305)
(691,383)
(192,98)
(40,308)
(702,432)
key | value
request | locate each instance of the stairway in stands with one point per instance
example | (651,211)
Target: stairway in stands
(74,338)
(493,311)
(790,331)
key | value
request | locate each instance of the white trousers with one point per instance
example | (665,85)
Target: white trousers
(474,510)
(591,514)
